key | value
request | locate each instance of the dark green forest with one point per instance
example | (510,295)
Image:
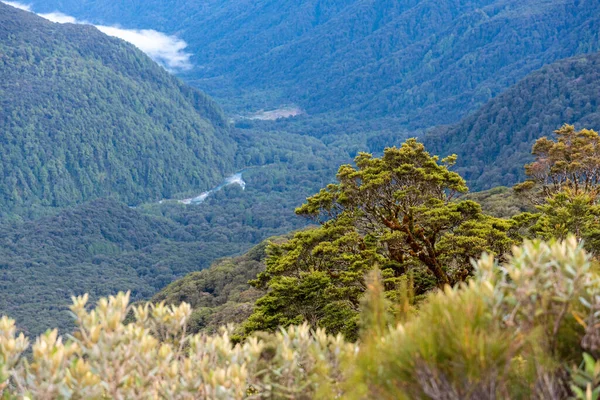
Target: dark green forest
(494,142)
(85,116)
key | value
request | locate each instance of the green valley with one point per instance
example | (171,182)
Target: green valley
(386,199)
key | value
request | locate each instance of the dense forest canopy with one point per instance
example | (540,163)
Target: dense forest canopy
(98,248)
(86,116)
(494,142)
(426,61)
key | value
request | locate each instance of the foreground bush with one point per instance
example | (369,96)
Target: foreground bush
(526,329)
(153,357)
(512,332)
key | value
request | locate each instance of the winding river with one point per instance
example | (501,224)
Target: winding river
(235,179)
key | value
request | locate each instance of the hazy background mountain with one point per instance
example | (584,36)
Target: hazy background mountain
(83,116)
(424,61)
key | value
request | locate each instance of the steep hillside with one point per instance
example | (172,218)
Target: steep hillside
(495,142)
(83,116)
(423,61)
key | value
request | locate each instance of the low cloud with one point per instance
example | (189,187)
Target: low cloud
(18,5)
(169,51)
(60,18)
(164,49)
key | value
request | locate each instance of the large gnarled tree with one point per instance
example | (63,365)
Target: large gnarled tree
(399,212)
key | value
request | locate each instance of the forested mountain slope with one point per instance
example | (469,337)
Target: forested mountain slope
(424,61)
(46,261)
(495,142)
(99,248)
(83,115)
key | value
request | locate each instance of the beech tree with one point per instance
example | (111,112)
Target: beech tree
(572,162)
(564,183)
(399,212)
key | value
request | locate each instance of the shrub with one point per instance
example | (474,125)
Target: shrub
(510,332)
(154,357)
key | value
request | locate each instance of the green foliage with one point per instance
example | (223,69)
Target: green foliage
(572,163)
(394,211)
(220,294)
(87,116)
(507,333)
(326,290)
(454,341)
(586,379)
(566,213)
